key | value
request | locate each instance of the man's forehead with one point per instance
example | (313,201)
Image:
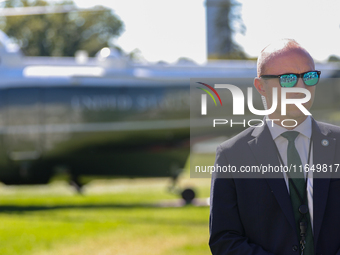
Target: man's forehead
(286,52)
(295,58)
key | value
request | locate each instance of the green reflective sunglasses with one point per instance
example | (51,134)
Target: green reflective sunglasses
(289,80)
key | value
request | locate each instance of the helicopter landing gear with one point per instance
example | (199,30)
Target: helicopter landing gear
(74,181)
(188,194)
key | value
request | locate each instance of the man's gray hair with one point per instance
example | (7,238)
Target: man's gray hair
(275,49)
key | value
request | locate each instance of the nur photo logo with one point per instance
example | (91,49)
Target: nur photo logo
(238,101)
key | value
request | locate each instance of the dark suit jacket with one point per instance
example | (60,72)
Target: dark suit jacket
(255,216)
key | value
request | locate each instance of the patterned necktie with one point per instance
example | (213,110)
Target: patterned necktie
(293,159)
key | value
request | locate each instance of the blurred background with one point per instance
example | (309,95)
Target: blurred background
(95,114)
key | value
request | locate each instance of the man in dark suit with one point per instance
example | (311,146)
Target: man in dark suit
(289,214)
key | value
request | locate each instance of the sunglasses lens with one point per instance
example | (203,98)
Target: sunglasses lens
(311,78)
(288,80)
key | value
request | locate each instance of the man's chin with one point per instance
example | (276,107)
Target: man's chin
(293,112)
(298,116)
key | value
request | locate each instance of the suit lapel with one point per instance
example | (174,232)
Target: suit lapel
(263,148)
(321,155)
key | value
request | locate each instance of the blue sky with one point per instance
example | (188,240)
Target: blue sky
(169,29)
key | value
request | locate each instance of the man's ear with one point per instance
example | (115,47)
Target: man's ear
(258,83)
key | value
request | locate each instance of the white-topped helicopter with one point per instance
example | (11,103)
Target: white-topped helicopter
(101,116)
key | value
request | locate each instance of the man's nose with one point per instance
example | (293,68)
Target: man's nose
(300,83)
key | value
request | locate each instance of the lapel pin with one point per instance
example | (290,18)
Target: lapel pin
(325,142)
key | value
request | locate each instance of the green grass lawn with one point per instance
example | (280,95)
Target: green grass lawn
(111,217)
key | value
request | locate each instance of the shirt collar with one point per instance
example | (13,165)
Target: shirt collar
(305,128)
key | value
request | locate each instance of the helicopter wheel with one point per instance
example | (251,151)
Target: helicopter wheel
(188,195)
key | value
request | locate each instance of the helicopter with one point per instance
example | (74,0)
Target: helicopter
(102,116)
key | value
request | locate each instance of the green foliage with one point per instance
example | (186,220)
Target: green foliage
(333,58)
(61,34)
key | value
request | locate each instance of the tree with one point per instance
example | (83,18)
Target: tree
(333,58)
(227,22)
(61,34)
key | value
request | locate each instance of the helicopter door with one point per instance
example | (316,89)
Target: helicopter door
(23,127)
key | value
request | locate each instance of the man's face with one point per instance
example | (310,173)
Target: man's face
(294,61)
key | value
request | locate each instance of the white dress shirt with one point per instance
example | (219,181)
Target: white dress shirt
(302,146)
